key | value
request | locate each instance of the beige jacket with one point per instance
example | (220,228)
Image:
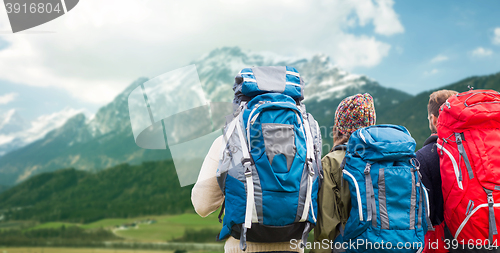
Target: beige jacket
(207,197)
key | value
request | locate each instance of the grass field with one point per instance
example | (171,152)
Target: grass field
(170,227)
(166,228)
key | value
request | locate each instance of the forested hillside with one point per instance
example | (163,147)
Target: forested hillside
(81,196)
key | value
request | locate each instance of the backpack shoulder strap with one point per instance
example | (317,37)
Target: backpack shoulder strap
(339,147)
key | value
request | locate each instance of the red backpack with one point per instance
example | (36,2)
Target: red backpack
(469,150)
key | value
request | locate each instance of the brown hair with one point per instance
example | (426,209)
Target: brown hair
(436,99)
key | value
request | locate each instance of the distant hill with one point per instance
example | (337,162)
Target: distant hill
(324,110)
(84,144)
(412,113)
(79,196)
(3,188)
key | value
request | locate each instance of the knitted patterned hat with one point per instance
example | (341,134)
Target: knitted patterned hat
(355,112)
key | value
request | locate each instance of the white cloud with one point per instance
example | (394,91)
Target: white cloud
(439,58)
(7,98)
(360,51)
(481,52)
(496,37)
(384,23)
(99,47)
(431,72)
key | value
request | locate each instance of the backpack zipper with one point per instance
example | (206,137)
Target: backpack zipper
(455,166)
(360,205)
(470,214)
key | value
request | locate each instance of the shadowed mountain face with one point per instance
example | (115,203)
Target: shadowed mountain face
(3,188)
(107,140)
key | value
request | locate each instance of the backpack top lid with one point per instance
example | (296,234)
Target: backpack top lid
(273,79)
(382,142)
(470,109)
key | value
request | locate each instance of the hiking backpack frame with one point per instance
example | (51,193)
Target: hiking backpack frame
(389,202)
(270,163)
(468,146)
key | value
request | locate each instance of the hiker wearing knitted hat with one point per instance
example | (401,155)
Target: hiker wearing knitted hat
(334,199)
(353,112)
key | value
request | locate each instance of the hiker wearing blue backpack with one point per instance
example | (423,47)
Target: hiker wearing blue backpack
(334,199)
(389,204)
(265,169)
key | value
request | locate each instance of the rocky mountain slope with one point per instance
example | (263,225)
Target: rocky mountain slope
(107,140)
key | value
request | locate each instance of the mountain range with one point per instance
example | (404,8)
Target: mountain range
(104,141)
(107,140)
(16,132)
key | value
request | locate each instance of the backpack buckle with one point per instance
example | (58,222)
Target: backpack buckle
(310,166)
(367,168)
(491,201)
(247,162)
(309,162)
(248,172)
(489,194)
(311,172)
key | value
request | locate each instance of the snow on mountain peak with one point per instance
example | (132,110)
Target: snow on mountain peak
(15,132)
(322,78)
(11,121)
(216,70)
(46,123)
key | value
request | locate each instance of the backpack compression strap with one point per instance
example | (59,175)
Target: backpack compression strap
(231,127)
(339,147)
(370,197)
(308,203)
(310,159)
(461,152)
(247,164)
(227,135)
(424,195)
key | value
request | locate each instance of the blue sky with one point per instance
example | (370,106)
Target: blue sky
(96,50)
(450,29)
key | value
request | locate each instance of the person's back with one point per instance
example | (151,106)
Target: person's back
(431,174)
(334,199)
(207,197)
(389,202)
(269,165)
(468,130)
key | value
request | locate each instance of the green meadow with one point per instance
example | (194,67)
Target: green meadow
(165,227)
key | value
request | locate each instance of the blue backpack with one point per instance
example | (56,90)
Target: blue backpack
(389,202)
(271,160)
